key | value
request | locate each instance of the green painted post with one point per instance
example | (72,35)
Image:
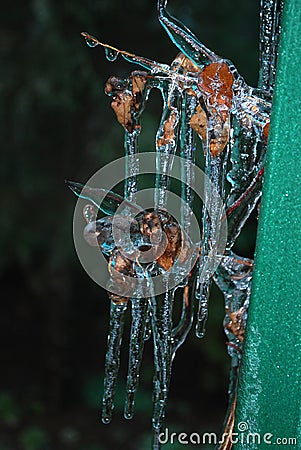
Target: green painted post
(269,396)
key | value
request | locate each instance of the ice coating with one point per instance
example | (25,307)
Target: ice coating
(203,96)
(106,201)
(270,26)
(234,278)
(138,330)
(117,317)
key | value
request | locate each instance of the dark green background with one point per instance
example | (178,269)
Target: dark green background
(56,123)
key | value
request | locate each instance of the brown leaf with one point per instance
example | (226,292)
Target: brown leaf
(119,266)
(139,80)
(216,81)
(265,132)
(199,122)
(181,61)
(236,325)
(155,222)
(127,97)
(122,106)
(218,143)
(168,129)
(173,247)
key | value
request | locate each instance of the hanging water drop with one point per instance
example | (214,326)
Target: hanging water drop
(90,40)
(111,54)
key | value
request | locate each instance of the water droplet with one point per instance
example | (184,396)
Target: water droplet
(106,420)
(128,415)
(90,42)
(111,54)
(199,334)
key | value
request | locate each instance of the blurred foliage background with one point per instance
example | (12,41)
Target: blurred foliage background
(56,123)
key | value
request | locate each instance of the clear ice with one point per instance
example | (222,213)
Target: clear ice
(203,96)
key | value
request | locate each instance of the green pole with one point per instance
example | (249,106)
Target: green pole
(269,396)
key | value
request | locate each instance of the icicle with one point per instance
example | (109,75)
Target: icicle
(156,443)
(166,340)
(162,328)
(187,151)
(117,317)
(131,168)
(233,277)
(178,108)
(148,322)
(202,295)
(166,142)
(180,332)
(138,327)
(270,25)
(215,169)
(129,99)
